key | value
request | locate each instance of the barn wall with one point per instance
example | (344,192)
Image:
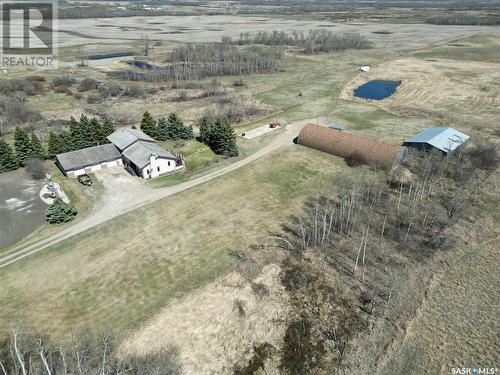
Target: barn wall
(92,168)
(158,167)
(348,145)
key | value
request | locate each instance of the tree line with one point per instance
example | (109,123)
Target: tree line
(312,41)
(31,353)
(197,61)
(464,19)
(216,133)
(82,133)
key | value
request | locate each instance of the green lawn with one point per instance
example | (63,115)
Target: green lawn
(197,155)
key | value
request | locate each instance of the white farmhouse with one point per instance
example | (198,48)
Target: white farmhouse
(133,149)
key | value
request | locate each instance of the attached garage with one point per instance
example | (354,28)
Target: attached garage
(88,160)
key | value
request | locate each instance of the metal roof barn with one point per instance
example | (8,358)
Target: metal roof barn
(444,139)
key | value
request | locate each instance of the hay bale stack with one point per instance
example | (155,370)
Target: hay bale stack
(356,149)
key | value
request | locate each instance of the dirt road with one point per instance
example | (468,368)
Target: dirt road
(110,212)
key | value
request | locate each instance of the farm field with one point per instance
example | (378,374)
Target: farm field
(180,265)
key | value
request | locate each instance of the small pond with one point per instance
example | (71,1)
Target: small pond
(21,209)
(110,55)
(376,90)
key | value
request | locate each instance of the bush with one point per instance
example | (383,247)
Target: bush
(16,112)
(36,168)
(87,84)
(63,89)
(93,98)
(484,156)
(63,81)
(60,212)
(134,91)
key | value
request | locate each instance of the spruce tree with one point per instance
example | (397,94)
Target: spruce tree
(22,145)
(60,212)
(8,160)
(96,131)
(87,131)
(205,130)
(163,129)
(76,134)
(54,145)
(148,125)
(107,128)
(37,150)
(223,139)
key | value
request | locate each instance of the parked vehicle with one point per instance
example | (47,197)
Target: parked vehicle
(85,179)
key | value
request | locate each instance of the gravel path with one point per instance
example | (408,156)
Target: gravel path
(111,211)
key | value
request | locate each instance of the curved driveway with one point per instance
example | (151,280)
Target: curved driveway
(101,216)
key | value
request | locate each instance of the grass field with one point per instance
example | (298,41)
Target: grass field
(121,274)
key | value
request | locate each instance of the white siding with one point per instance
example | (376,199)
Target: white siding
(158,167)
(93,168)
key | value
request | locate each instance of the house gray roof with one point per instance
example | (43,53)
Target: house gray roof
(444,139)
(123,138)
(140,152)
(88,156)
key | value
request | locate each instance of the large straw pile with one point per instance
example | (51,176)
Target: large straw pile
(352,147)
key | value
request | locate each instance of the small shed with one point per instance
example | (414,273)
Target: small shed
(443,139)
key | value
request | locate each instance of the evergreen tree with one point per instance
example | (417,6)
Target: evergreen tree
(60,212)
(148,125)
(223,139)
(66,141)
(205,129)
(8,160)
(22,145)
(76,134)
(107,128)
(54,145)
(37,150)
(96,131)
(163,129)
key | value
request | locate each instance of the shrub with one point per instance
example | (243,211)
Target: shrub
(93,98)
(60,212)
(87,84)
(134,91)
(63,89)
(36,168)
(16,112)
(484,156)
(63,81)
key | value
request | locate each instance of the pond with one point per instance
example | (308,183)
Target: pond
(110,55)
(377,90)
(21,209)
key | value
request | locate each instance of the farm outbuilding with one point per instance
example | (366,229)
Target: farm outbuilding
(88,160)
(351,146)
(443,139)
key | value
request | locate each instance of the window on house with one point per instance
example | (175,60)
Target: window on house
(158,169)
(169,164)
